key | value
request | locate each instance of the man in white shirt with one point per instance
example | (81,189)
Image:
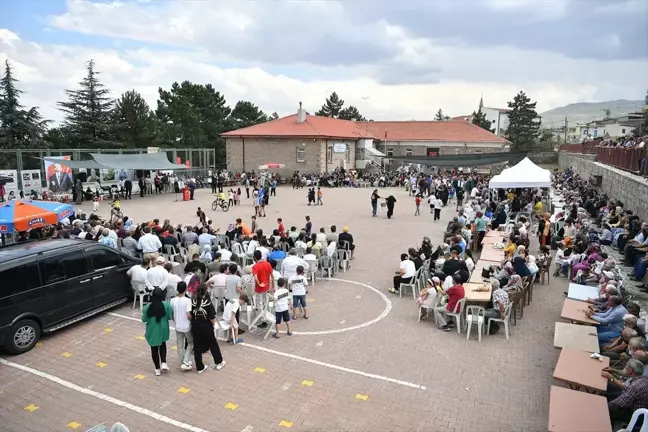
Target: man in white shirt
(252,246)
(431,200)
(291,262)
(172,280)
(149,244)
(264,250)
(405,274)
(473,192)
(157,275)
(205,238)
(226,255)
(138,275)
(218,280)
(181,306)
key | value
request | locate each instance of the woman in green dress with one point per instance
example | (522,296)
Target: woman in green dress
(156,315)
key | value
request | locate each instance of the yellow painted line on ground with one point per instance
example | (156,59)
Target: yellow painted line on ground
(174,347)
(231,406)
(38,344)
(66,354)
(108,330)
(101,364)
(184,390)
(140,337)
(307,383)
(74,425)
(140,376)
(362,397)
(31,407)
(260,370)
(286,424)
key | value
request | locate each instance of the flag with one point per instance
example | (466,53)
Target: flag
(385,134)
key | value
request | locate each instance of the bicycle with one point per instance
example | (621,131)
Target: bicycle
(224,205)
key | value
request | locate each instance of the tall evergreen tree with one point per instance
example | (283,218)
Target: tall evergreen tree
(88,112)
(479,119)
(351,113)
(193,115)
(524,123)
(246,114)
(19,128)
(134,125)
(440,116)
(331,107)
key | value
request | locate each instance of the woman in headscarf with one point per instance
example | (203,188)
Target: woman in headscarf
(519,263)
(544,230)
(203,316)
(514,284)
(156,315)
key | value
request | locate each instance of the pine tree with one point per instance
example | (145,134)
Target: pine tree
(479,119)
(134,125)
(351,113)
(19,128)
(331,107)
(88,111)
(524,123)
(439,116)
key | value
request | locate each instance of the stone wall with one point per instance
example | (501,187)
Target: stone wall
(544,158)
(630,189)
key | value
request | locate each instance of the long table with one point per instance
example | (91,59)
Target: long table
(580,337)
(574,411)
(582,292)
(580,370)
(574,311)
(490,254)
(477,296)
(476,277)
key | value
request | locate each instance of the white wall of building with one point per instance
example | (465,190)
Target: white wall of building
(498,119)
(614,130)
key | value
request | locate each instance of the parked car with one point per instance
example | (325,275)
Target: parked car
(47,285)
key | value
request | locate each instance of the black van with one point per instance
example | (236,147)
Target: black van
(47,285)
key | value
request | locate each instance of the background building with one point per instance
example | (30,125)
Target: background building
(310,143)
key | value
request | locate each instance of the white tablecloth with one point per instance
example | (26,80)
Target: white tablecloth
(582,292)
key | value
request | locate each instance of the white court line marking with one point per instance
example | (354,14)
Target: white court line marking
(306,359)
(248,428)
(104,397)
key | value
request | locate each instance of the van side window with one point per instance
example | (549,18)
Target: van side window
(19,279)
(75,264)
(102,258)
(51,269)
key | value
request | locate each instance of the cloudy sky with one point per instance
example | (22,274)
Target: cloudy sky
(393,59)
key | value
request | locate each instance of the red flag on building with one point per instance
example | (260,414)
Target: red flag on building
(385,134)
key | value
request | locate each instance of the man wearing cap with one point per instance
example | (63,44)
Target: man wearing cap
(345,240)
(157,275)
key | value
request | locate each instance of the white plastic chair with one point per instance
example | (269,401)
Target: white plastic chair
(506,320)
(343,258)
(218,295)
(224,326)
(458,312)
(238,249)
(475,314)
(326,264)
(184,254)
(312,270)
(136,295)
(641,412)
(412,284)
(170,252)
(437,302)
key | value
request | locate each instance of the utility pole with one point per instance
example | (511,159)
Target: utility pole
(566,127)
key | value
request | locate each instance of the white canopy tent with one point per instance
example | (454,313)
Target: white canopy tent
(525,174)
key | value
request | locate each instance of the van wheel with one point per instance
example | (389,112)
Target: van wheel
(23,336)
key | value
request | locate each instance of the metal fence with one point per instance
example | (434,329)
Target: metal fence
(631,159)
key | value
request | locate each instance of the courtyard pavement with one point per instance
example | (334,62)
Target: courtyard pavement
(360,363)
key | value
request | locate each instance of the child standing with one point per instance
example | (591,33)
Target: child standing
(95,203)
(309,226)
(298,283)
(438,204)
(417,200)
(319,196)
(230,197)
(282,306)
(431,200)
(255,198)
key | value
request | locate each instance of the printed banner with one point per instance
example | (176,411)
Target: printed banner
(59,176)
(11,186)
(31,181)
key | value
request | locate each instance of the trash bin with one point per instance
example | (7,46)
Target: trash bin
(185,194)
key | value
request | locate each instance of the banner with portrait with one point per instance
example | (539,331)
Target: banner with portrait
(58,175)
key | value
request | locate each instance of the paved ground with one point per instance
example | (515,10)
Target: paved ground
(364,363)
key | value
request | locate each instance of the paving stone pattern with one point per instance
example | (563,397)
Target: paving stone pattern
(393,375)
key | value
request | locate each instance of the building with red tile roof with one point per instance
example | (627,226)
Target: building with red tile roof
(308,143)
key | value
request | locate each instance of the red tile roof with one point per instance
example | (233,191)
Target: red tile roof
(448,131)
(313,127)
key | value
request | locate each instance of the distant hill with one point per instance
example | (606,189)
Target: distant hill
(584,112)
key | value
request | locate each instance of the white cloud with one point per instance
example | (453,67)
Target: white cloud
(312,49)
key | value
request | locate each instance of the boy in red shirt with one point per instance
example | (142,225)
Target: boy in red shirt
(282,229)
(417,200)
(455,294)
(263,282)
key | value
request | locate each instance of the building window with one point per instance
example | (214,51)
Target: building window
(390,152)
(301,154)
(409,152)
(622,131)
